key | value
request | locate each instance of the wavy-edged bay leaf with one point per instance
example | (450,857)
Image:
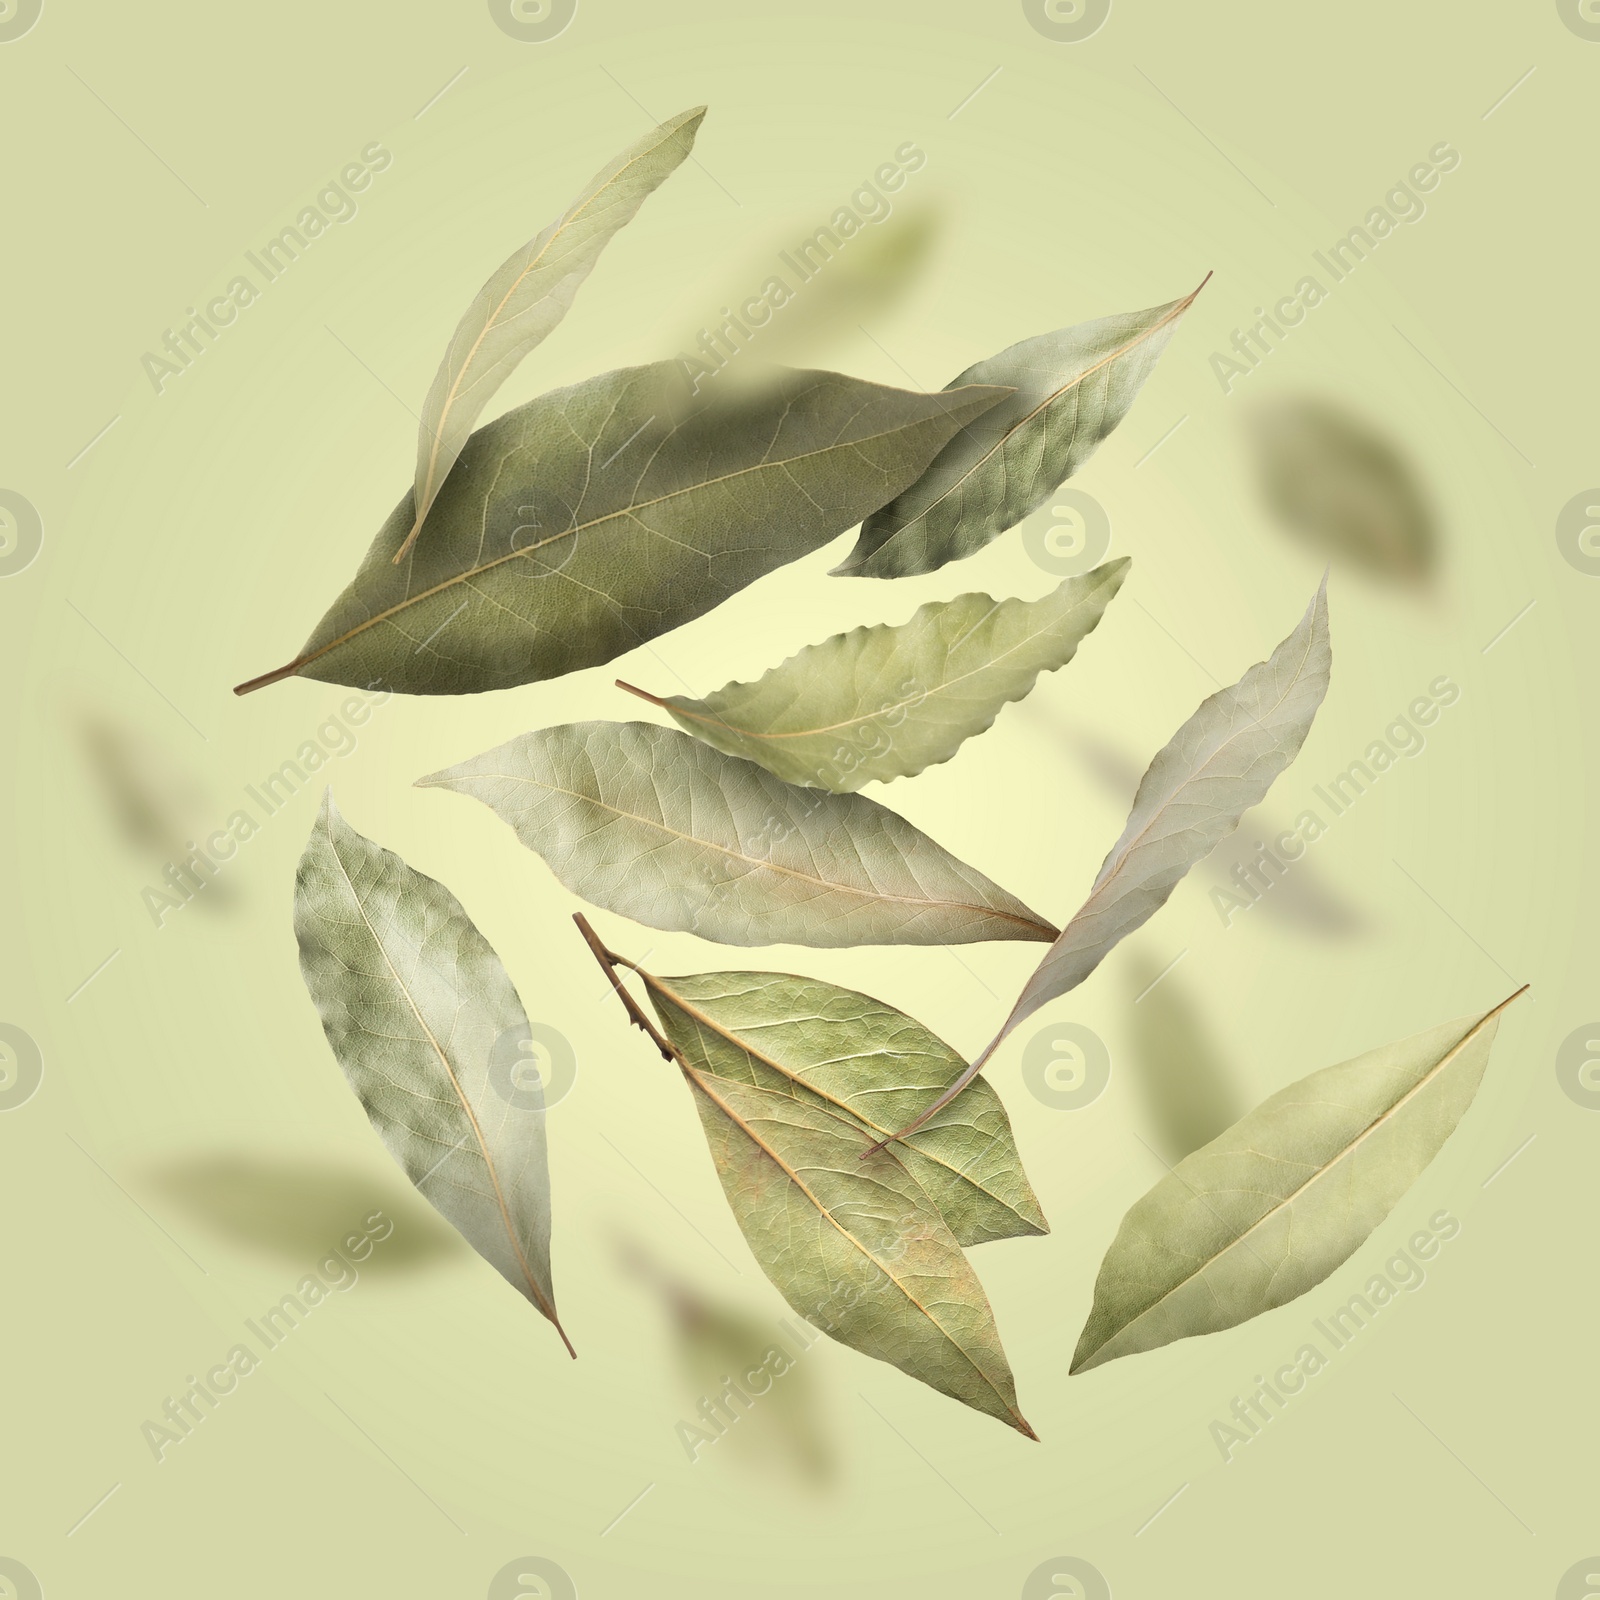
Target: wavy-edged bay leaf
(529,294)
(654,825)
(1072,387)
(1270,1208)
(420,1014)
(594,518)
(1218,765)
(848,1053)
(885,702)
(857,1249)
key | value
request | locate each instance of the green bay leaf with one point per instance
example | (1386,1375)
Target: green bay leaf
(594,518)
(865,1061)
(1072,387)
(427,1026)
(884,702)
(857,1249)
(1271,1207)
(654,825)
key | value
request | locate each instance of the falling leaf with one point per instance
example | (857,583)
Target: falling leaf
(592,519)
(1336,482)
(421,1016)
(1284,1197)
(1072,387)
(857,1249)
(1218,764)
(529,295)
(885,702)
(846,1052)
(654,825)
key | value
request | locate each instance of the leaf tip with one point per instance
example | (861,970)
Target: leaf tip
(409,540)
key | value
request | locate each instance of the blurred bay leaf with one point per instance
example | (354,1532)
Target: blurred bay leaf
(1215,768)
(654,825)
(1270,1208)
(885,702)
(1336,481)
(1072,387)
(754,1386)
(1188,1092)
(594,518)
(420,1013)
(528,295)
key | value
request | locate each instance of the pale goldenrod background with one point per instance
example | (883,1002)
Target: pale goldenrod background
(192,1151)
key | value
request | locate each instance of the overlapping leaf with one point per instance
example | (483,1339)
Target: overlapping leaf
(838,1050)
(885,702)
(427,1027)
(1215,768)
(857,1249)
(529,295)
(592,519)
(1072,387)
(1268,1209)
(650,823)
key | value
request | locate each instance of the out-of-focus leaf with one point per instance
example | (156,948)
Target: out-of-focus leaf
(1186,1086)
(1333,479)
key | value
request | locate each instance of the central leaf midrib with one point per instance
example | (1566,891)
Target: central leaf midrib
(624,512)
(455,1083)
(702,1018)
(758,862)
(822,1210)
(1318,1174)
(944,687)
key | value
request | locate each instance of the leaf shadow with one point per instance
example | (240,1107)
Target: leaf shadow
(294,1210)
(1188,1092)
(775,1436)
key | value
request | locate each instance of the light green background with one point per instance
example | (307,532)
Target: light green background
(192,1148)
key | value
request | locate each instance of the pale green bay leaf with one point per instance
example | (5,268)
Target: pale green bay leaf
(529,294)
(1073,386)
(420,1013)
(1270,1208)
(856,1248)
(869,1063)
(1218,765)
(884,702)
(654,825)
(591,519)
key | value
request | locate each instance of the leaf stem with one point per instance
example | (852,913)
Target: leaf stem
(275,676)
(643,694)
(609,962)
